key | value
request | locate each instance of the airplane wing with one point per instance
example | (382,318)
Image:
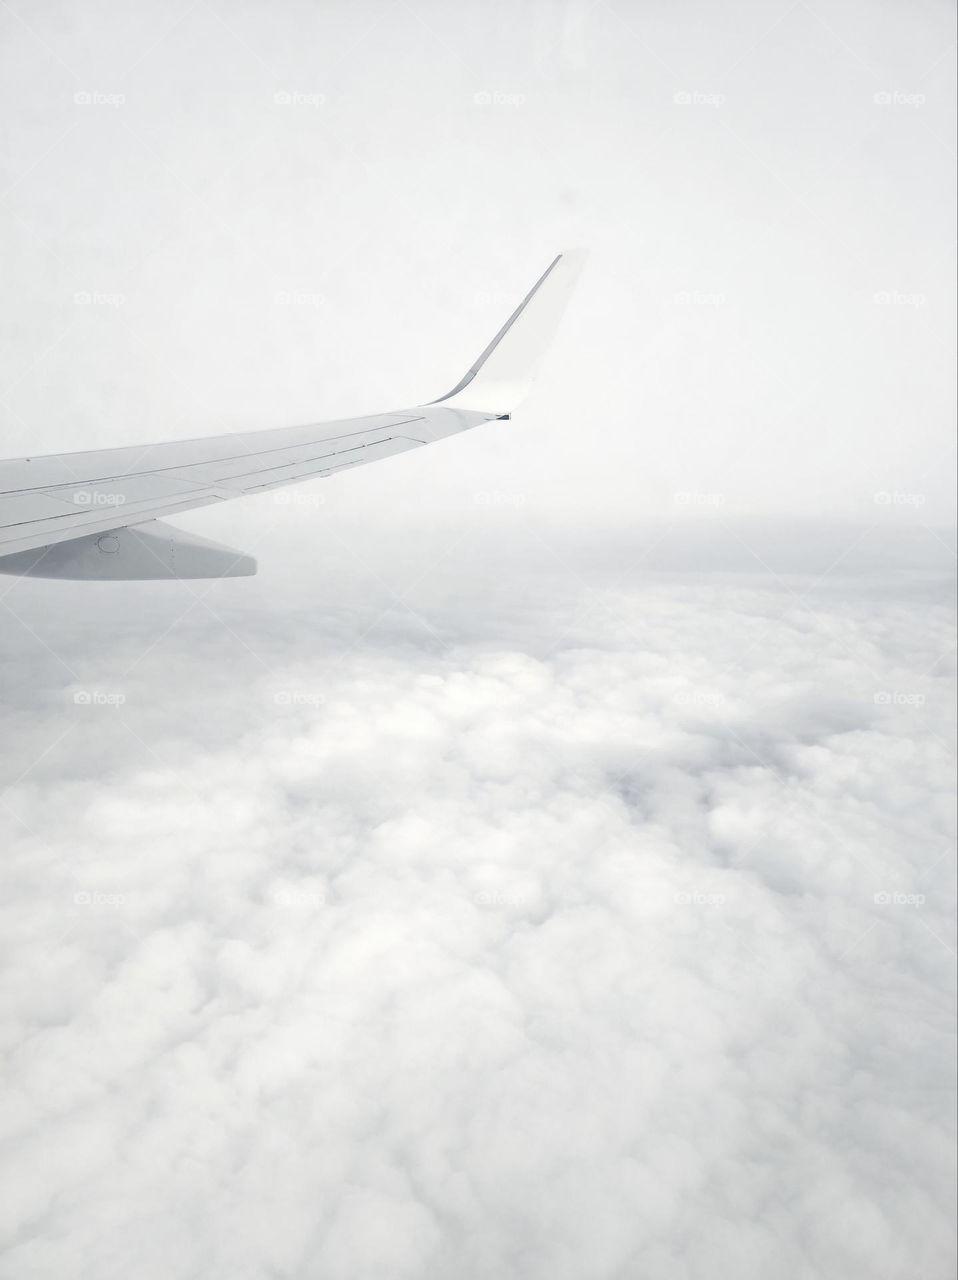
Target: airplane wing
(101,514)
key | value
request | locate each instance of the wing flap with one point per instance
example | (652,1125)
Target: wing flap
(153,551)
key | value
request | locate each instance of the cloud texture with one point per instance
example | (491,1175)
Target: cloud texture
(623,950)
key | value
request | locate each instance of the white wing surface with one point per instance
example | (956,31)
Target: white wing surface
(100,514)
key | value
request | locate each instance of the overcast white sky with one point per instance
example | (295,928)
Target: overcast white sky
(544,867)
(728,339)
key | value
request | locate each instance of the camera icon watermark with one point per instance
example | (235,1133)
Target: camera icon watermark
(697,898)
(690,498)
(896,498)
(896,298)
(96,98)
(496,98)
(298,298)
(294,98)
(898,98)
(695,298)
(502,898)
(699,698)
(92,298)
(696,98)
(497,498)
(298,698)
(896,698)
(97,498)
(299,899)
(98,698)
(97,898)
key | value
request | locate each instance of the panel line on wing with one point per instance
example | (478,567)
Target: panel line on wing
(206,462)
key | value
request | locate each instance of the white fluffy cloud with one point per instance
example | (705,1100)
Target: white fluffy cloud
(624,949)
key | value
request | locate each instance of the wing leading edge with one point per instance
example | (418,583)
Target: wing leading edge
(97,514)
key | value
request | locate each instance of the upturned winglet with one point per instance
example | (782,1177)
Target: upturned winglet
(500,379)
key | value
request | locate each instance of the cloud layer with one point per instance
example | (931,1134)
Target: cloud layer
(622,949)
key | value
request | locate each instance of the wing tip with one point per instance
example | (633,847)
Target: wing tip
(500,378)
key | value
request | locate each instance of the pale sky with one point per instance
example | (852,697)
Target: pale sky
(767,316)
